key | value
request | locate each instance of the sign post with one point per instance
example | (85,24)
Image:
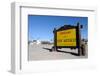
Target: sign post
(79,39)
(55,40)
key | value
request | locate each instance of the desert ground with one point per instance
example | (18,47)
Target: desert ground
(42,52)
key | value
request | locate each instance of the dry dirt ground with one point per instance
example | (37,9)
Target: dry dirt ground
(42,52)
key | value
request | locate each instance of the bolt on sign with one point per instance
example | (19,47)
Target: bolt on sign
(66,37)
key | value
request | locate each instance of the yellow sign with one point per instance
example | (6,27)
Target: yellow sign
(66,37)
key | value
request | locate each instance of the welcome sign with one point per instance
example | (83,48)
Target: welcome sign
(66,37)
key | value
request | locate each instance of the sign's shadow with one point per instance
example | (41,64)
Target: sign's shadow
(50,50)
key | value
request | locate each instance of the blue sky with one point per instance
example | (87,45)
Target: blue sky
(41,27)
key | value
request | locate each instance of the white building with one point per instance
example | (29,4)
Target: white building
(38,42)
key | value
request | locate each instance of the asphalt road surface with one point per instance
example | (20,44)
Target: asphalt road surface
(42,52)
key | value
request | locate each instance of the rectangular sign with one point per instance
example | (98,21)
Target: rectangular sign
(66,37)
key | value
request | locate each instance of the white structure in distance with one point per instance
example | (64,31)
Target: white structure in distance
(39,42)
